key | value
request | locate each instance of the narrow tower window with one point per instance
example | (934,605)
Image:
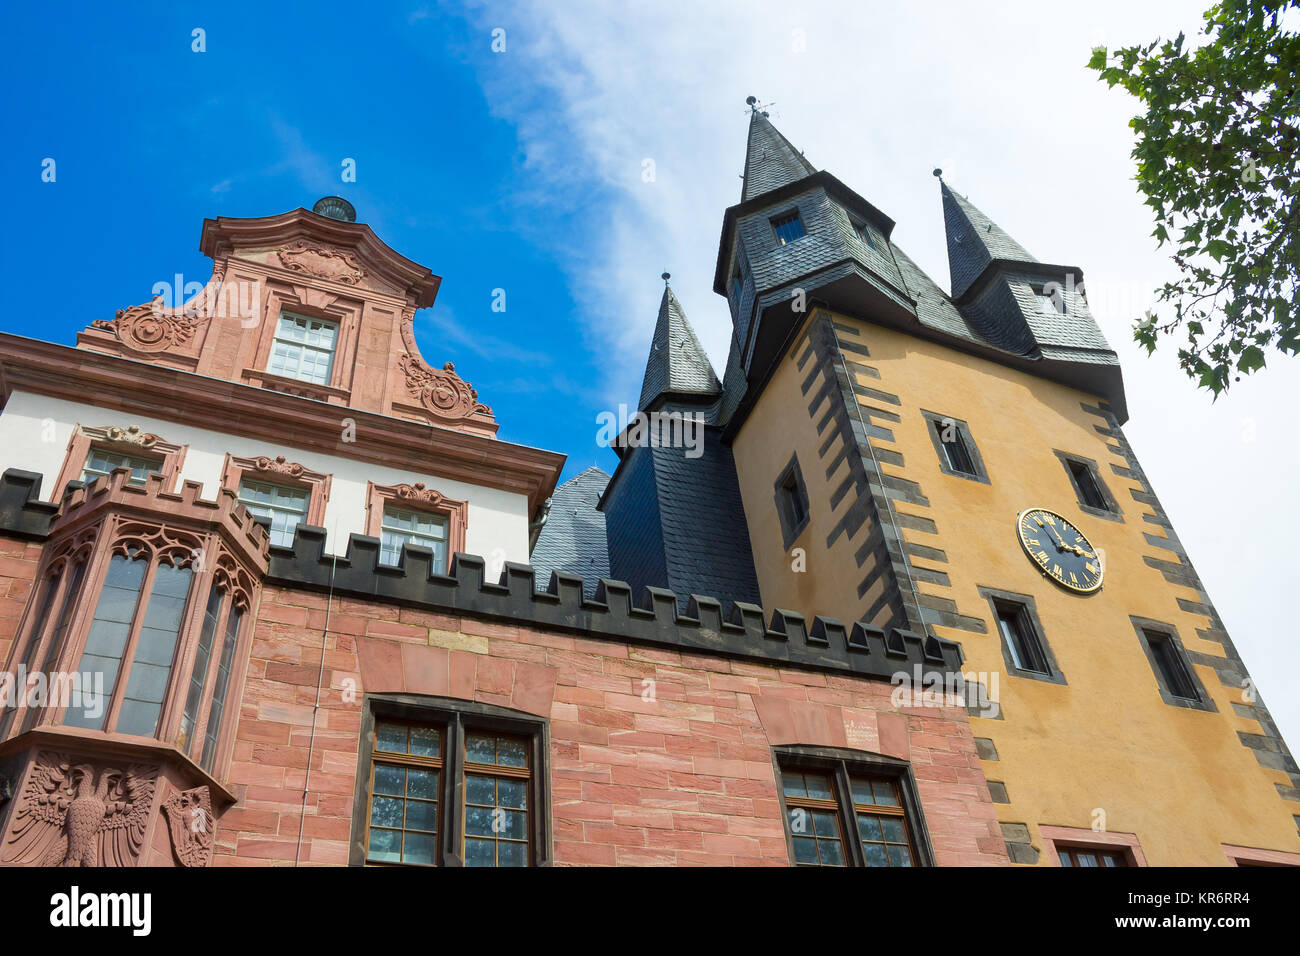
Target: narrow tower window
(1171,666)
(954,447)
(1021,640)
(1088,487)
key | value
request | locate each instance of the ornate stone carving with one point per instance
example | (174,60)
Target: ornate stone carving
(131,435)
(417,492)
(322,261)
(149,327)
(76,811)
(189,818)
(442,392)
(279,465)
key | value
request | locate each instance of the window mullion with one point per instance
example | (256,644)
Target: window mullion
(848,816)
(454,794)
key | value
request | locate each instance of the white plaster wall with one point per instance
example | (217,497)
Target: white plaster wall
(35,431)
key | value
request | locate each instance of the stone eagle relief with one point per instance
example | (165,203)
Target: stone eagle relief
(78,812)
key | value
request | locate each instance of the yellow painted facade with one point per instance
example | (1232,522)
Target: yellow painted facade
(1104,742)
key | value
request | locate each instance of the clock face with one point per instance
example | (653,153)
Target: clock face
(1060,550)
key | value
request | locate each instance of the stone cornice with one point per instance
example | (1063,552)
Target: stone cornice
(141,389)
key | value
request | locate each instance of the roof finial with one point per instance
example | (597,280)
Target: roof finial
(752,103)
(938,173)
(666,276)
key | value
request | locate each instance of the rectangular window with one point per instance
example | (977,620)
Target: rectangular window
(217,708)
(821,793)
(459,787)
(1021,640)
(864,233)
(402,526)
(155,647)
(405,783)
(1089,490)
(199,677)
(956,453)
(1050,303)
(1091,857)
(109,630)
(285,506)
(788,227)
(102,461)
(1173,669)
(792,505)
(303,348)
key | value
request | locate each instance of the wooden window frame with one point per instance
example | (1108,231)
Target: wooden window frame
(843,764)
(455,718)
(417,497)
(278,471)
(1056,839)
(129,440)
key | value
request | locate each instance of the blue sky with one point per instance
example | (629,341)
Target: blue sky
(150,137)
(524,170)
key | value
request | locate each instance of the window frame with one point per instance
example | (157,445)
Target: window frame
(1076,839)
(1028,610)
(455,718)
(416,497)
(843,764)
(287,474)
(934,421)
(131,440)
(787,217)
(1146,629)
(331,375)
(1110,510)
(792,525)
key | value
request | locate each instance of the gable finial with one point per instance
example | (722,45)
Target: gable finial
(666,276)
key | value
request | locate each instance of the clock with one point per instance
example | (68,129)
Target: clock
(1060,550)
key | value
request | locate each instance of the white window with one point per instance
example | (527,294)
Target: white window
(303,348)
(401,526)
(101,462)
(285,506)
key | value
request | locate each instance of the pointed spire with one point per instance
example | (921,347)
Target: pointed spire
(974,240)
(771,161)
(677,362)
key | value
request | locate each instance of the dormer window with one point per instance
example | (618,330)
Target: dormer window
(1050,300)
(788,227)
(864,233)
(304,348)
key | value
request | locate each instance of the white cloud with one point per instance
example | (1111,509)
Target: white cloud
(882,93)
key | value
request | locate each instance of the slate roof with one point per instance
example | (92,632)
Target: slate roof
(771,161)
(974,240)
(573,539)
(677,363)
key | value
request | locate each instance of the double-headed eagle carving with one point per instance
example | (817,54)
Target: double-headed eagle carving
(80,814)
